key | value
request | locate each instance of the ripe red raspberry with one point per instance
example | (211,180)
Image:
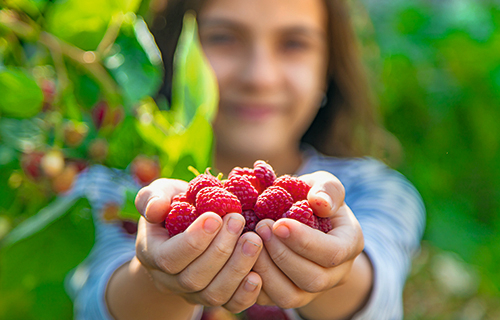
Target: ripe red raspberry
(265,313)
(181,197)
(217,200)
(297,188)
(301,211)
(243,189)
(273,203)
(264,174)
(324,224)
(181,215)
(247,173)
(199,182)
(251,220)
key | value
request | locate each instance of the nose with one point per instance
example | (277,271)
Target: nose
(260,69)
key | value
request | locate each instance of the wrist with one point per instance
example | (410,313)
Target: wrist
(133,294)
(345,300)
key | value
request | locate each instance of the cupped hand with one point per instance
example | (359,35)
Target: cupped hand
(209,263)
(299,262)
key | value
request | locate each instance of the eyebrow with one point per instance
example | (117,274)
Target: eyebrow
(294,29)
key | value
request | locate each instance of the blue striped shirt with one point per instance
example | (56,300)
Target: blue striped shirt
(389,209)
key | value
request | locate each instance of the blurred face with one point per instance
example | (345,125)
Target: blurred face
(270,58)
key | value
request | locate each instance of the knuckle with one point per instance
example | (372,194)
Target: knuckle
(187,283)
(194,246)
(237,271)
(165,264)
(223,250)
(280,257)
(338,257)
(214,300)
(289,302)
(316,284)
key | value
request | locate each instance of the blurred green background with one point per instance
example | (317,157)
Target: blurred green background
(435,68)
(435,65)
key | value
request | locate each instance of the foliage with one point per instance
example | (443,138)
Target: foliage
(76,85)
(436,69)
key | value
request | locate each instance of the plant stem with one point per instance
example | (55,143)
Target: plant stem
(86,59)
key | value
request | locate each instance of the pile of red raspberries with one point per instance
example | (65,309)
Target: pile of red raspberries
(256,193)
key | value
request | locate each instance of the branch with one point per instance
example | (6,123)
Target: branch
(87,59)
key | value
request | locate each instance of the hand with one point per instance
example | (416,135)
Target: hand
(209,263)
(299,263)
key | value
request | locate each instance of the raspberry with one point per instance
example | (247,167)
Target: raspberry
(297,188)
(301,211)
(181,197)
(324,224)
(273,203)
(243,189)
(251,220)
(217,200)
(247,173)
(181,215)
(264,174)
(264,313)
(199,182)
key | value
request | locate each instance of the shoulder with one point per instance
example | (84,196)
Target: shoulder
(348,170)
(363,177)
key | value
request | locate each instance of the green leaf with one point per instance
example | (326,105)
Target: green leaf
(194,87)
(33,268)
(84,23)
(41,220)
(184,133)
(21,97)
(129,211)
(22,134)
(136,62)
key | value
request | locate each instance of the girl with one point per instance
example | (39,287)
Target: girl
(291,93)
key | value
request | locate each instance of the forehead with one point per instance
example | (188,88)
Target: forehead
(266,14)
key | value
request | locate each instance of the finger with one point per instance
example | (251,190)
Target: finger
(202,271)
(341,244)
(172,255)
(303,272)
(246,294)
(327,193)
(263,299)
(279,289)
(153,201)
(231,276)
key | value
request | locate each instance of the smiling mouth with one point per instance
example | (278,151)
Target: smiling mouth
(249,111)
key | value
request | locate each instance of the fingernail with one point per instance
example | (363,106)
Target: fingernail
(250,286)
(211,225)
(327,199)
(264,232)
(235,225)
(282,232)
(150,201)
(250,248)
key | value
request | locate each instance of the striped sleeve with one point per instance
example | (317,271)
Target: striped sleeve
(86,284)
(392,216)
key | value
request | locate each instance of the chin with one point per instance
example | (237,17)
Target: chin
(249,147)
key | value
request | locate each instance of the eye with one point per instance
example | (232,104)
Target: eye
(295,45)
(220,38)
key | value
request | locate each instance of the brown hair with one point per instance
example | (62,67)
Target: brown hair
(347,125)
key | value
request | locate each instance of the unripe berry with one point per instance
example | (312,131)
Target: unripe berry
(145,169)
(52,163)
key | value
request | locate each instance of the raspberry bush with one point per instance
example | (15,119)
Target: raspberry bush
(79,84)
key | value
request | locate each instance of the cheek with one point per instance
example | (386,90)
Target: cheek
(223,67)
(306,86)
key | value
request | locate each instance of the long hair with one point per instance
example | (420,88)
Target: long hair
(347,125)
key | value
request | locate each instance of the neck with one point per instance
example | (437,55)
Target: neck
(283,162)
